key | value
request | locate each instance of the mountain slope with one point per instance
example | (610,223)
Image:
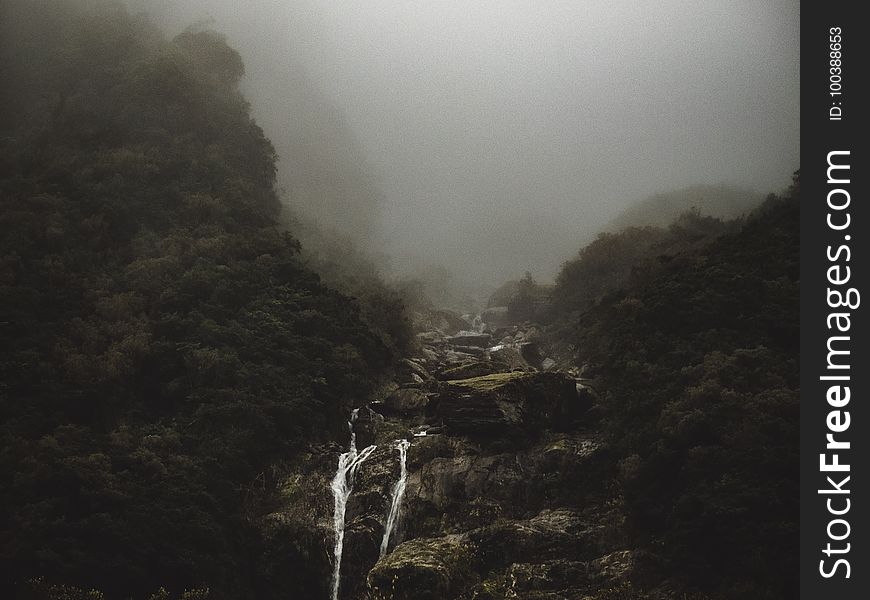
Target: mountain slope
(162,343)
(698,358)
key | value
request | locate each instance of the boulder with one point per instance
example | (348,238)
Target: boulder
(411,371)
(529,334)
(430,337)
(423,569)
(365,518)
(476,368)
(476,351)
(367,425)
(531,353)
(470,338)
(405,401)
(551,534)
(460,479)
(430,355)
(506,403)
(509,355)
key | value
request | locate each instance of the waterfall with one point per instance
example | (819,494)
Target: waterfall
(398,492)
(342,486)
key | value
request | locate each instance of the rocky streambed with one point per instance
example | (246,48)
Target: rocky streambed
(482,465)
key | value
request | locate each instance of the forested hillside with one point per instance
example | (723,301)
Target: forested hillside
(196,406)
(691,333)
(161,343)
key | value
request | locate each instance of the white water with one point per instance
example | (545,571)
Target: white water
(398,493)
(342,486)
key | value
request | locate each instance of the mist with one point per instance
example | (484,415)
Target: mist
(497,137)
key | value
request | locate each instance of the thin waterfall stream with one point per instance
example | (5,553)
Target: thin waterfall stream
(398,493)
(342,486)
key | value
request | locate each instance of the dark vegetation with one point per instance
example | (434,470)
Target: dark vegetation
(161,341)
(164,340)
(692,333)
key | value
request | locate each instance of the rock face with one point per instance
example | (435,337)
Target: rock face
(470,339)
(477,368)
(423,569)
(506,494)
(507,404)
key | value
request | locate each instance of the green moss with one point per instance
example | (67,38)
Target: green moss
(473,370)
(489,383)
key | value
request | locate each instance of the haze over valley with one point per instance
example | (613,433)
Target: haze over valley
(382,300)
(492,137)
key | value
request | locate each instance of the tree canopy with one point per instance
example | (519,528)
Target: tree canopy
(161,342)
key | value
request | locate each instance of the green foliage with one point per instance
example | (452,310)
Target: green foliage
(521,306)
(625,258)
(698,357)
(161,342)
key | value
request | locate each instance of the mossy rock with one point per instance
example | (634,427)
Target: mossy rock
(423,569)
(492,382)
(514,404)
(477,368)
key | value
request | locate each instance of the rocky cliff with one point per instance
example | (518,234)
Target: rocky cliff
(508,488)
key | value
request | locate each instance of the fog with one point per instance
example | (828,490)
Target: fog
(495,137)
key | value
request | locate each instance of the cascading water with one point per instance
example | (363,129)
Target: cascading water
(342,486)
(398,493)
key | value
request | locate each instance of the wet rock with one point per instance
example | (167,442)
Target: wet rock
(430,355)
(508,404)
(431,337)
(508,355)
(423,569)
(477,368)
(476,351)
(405,401)
(528,334)
(551,534)
(470,339)
(367,426)
(411,371)
(365,518)
(463,478)
(434,445)
(531,353)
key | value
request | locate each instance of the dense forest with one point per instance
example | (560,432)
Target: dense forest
(162,341)
(693,333)
(177,370)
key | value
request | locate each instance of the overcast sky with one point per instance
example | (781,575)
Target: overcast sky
(497,136)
